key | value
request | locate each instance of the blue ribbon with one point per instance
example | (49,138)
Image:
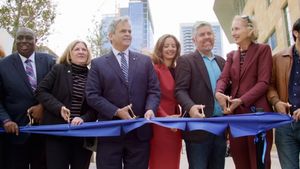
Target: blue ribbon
(240,125)
(262,137)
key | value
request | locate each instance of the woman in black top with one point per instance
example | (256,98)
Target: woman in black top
(62,94)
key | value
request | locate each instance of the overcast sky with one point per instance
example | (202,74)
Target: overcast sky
(74,18)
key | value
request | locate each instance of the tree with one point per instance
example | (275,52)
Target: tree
(98,39)
(38,15)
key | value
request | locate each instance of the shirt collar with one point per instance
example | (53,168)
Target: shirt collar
(211,57)
(116,52)
(32,58)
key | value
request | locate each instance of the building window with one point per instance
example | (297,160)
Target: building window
(288,25)
(272,40)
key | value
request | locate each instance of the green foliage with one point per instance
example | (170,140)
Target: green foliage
(38,15)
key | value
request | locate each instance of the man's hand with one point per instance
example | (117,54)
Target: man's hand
(196,111)
(65,113)
(149,114)
(36,112)
(296,115)
(123,113)
(282,107)
(11,127)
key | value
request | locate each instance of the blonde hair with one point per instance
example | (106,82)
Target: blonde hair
(66,56)
(157,56)
(251,25)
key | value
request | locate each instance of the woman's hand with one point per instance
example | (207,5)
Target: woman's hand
(65,113)
(77,121)
(224,102)
(234,103)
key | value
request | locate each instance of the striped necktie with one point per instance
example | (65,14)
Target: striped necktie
(30,74)
(124,65)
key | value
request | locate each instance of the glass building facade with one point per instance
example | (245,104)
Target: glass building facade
(141,22)
(142,26)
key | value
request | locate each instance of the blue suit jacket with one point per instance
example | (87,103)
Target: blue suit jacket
(107,90)
(16,95)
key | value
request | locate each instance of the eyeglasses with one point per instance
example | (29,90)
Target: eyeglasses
(248,19)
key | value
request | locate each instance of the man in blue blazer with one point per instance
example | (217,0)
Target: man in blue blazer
(17,100)
(118,82)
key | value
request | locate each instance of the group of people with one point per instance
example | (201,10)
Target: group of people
(124,84)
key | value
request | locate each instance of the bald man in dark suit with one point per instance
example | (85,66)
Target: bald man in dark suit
(17,100)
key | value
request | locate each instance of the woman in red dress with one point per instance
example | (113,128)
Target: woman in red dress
(166,143)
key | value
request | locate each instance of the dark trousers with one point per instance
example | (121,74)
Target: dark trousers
(25,155)
(128,153)
(207,154)
(65,152)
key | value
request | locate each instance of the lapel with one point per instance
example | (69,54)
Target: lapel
(220,63)
(250,57)
(68,69)
(236,66)
(166,73)
(202,68)
(113,62)
(17,62)
(235,70)
(38,67)
(132,67)
(166,76)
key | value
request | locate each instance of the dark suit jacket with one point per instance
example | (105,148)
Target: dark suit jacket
(55,91)
(16,95)
(106,89)
(249,83)
(193,87)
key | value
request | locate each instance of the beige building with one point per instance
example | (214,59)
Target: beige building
(274,18)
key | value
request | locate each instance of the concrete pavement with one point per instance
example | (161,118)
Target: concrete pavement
(228,163)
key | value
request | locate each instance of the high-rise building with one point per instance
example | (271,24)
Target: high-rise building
(123,11)
(186,40)
(274,18)
(105,22)
(142,26)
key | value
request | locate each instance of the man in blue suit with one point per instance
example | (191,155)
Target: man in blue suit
(20,73)
(120,84)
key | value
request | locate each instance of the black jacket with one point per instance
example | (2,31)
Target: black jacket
(55,91)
